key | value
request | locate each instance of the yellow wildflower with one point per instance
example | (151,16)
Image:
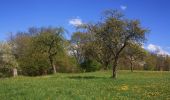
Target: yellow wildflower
(124,88)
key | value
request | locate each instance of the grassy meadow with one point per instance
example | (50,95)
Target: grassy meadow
(139,85)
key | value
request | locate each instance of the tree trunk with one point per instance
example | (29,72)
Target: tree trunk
(52,64)
(15,72)
(114,68)
(116,59)
(131,66)
(54,68)
(114,71)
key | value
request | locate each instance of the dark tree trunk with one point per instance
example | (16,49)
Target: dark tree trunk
(131,66)
(116,60)
(15,72)
(114,68)
(114,71)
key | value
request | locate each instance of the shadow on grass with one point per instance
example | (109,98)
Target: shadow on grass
(86,77)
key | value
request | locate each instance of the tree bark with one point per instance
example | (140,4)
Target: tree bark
(52,64)
(54,68)
(117,57)
(131,66)
(114,71)
(114,68)
(15,72)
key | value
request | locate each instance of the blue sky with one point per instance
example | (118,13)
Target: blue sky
(19,15)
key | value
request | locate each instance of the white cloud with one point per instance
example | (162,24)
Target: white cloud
(75,22)
(157,49)
(153,48)
(123,7)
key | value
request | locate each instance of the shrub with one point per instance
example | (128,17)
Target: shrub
(90,65)
(5,72)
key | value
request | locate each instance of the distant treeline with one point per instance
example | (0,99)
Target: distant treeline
(113,43)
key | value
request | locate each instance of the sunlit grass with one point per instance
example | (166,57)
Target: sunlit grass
(84,86)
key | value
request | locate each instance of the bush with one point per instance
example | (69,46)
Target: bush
(90,66)
(148,66)
(66,64)
(34,66)
(5,72)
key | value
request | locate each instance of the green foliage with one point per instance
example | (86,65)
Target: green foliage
(156,62)
(105,44)
(90,65)
(150,62)
(34,65)
(5,71)
(86,86)
(167,63)
(66,63)
(113,34)
(50,42)
(39,50)
(133,56)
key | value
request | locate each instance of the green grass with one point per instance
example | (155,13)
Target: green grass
(86,86)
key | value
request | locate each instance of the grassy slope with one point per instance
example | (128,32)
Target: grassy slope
(98,85)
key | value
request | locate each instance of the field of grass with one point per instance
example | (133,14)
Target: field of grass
(86,86)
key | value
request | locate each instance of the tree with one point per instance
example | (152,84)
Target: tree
(49,41)
(150,61)
(134,53)
(162,62)
(8,58)
(84,46)
(77,42)
(82,49)
(32,54)
(94,51)
(167,63)
(115,33)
